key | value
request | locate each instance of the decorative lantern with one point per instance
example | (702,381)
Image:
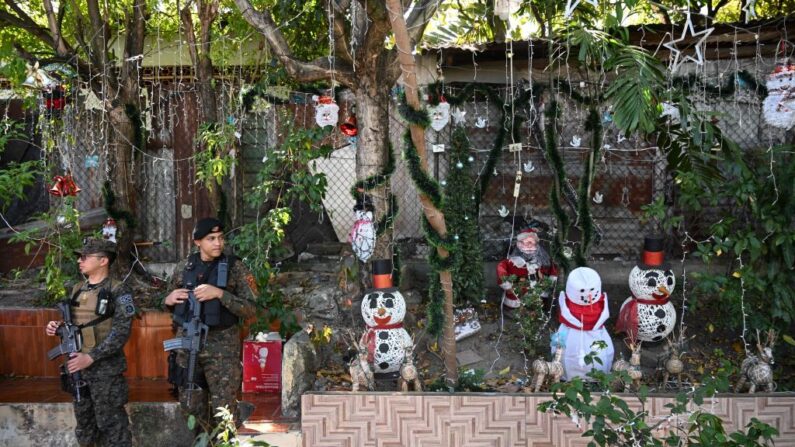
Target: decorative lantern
(362,234)
(64,186)
(779,106)
(326,111)
(109,229)
(383,310)
(648,315)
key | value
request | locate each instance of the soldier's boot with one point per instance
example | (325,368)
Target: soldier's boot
(244,411)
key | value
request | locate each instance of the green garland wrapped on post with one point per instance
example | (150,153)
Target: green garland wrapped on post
(593,124)
(556,161)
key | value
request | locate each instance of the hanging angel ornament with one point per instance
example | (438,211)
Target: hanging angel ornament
(779,106)
(440,114)
(362,235)
(326,111)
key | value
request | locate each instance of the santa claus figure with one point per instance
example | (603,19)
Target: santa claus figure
(528,262)
(583,313)
(648,315)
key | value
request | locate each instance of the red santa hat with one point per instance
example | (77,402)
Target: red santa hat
(524,234)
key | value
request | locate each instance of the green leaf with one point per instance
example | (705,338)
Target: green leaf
(788,339)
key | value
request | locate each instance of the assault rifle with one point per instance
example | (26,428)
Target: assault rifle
(195,334)
(71,342)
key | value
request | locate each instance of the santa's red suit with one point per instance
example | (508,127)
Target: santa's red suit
(507,268)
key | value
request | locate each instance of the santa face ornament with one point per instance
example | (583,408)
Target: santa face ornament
(326,111)
(440,115)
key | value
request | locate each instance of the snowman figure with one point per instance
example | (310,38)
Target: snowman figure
(383,310)
(648,315)
(529,263)
(362,234)
(326,111)
(583,312)
(779,106)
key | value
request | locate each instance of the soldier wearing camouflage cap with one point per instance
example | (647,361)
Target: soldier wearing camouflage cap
(218,370)
(103,309)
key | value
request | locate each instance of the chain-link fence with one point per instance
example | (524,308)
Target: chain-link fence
(630,171)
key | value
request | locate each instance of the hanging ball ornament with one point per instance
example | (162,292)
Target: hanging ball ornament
(349,127)
(459,165)
(471,159)
(443,183)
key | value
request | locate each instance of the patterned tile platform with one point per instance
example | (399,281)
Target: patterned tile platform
(479,420)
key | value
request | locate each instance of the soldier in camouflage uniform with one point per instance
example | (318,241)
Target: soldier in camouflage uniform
(218,369)
(103,308)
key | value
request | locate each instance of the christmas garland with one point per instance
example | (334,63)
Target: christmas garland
(556,161)
(110,206)
(435,96)
(593,124)
(728,88)
(431,189)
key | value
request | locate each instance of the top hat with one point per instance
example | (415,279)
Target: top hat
(653,256)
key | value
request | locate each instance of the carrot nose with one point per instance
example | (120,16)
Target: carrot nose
(381,311)
(663,290)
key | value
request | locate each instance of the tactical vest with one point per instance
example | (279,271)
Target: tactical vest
(94,326)
(213,313)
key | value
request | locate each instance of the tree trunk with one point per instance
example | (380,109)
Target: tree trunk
(372,146)
(121,142)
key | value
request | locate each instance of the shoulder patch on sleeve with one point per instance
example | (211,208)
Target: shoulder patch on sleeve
(126,303)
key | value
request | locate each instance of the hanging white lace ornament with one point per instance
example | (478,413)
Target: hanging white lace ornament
(362,235)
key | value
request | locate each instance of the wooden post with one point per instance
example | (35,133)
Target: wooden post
(434,216)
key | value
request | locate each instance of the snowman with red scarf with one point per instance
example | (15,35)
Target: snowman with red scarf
(383,310)
(648,315)
(529,263)
(583,313)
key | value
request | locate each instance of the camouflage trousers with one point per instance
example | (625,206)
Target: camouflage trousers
(218,366)
(101,417)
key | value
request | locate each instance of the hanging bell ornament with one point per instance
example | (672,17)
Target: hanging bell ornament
(349,127)
(64,186)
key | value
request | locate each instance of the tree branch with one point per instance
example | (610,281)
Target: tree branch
(419,18)
(341,36)
(81,28)
(98,54)
(23,21)
(298,70)
(55,29)
(187,25)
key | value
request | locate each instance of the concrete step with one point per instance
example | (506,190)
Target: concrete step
(35,411)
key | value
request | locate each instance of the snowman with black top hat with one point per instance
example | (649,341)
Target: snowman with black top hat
(648,315)
(383,310)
